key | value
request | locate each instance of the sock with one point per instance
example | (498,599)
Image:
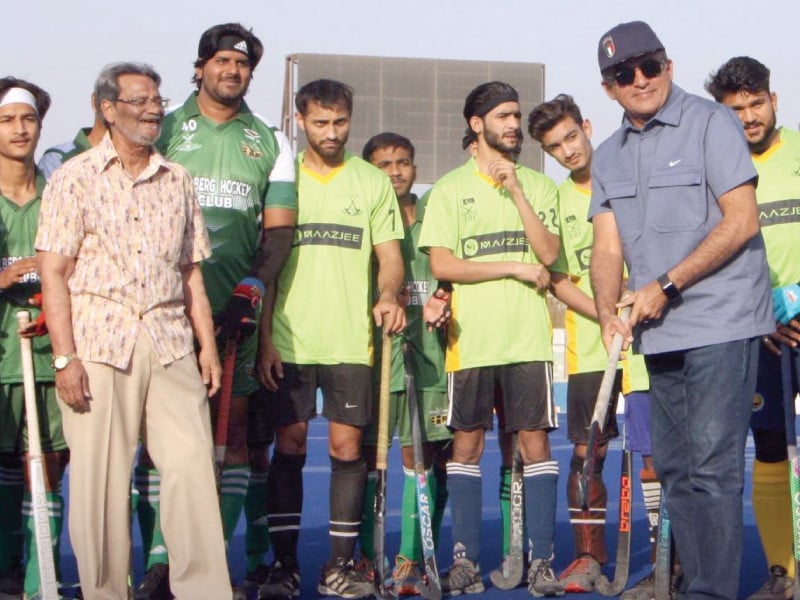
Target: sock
(651,492)
(588,526)
(464,484)
(234,481)
(438,485)
(147,482)
(12,487)
(348,480)
(410,538)
(541,490)
(505,505)
(55,512)
(285,505)
(772,507)
(366,532)
(255,512)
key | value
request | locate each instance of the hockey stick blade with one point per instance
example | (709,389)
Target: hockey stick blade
(431,587)
(791,452)
(622,567)
(48,584)
(600,415)
(510,574)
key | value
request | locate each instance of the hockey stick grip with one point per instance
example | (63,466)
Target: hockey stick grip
(610,374)
(382,450)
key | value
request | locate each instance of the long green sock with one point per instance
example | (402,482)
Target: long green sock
(12,487)
(438,485)
(366,532)
(147,482)
(505,505)
(410,542)
(255,512)
(55,511)
(233,489)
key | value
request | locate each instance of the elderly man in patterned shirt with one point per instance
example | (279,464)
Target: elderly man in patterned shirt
(119,244)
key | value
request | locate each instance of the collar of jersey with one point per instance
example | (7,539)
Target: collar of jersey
(193,110)
(40,183)
(324,179)
(764,156)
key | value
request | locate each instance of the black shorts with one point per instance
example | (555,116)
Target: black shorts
(582,391)
(346,394)
(259,418)
(527,396)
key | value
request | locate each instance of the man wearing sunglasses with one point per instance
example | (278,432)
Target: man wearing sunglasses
(673,195)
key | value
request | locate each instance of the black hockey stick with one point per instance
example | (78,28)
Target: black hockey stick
(510,575)
(431,587)
(601,407)
(791,452)
(663,567)
(622,567)
(379,564)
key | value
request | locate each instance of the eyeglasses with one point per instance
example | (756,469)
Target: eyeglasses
(140,102)
(650,68)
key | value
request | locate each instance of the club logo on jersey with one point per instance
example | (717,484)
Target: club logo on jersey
(328,234)
(251,134)
(250,151)
(584,256)
(188,145)
(572,226)
(758,402)
(494,243)
(608,46)
(352,209)
(777,213)
(468,208)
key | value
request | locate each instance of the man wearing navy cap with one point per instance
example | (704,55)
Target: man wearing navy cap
(673,195)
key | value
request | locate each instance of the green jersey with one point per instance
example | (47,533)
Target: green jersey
(502,321)
(585,352)
(18,226)
(778,197)
(239,167)
(57,155)
(634,374)
(323,308)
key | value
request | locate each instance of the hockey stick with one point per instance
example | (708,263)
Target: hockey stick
(379,540)
(510,575)
(791,451)
(224,407)
(601,406)
(663,567)
(431,588)
(622,567)
(48,584)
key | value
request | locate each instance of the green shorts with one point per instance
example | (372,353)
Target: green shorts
(13,426)
(433,411)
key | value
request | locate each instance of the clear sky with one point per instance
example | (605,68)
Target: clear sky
(61,45)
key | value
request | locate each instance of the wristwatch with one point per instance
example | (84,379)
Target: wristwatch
(670,291)
(61,361)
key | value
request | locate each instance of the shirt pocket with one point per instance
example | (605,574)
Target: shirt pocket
(627,210)
(676,200)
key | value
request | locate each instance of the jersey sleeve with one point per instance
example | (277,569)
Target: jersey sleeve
(282,192)
(385,222)
(440,225)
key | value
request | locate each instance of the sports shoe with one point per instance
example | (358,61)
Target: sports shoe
(155,585)
(580,575)
(406,575)
(11,584)
(464,578)
(542,580)
(281,583)
(777,587)
(254,579)
(342,580)
(645,588)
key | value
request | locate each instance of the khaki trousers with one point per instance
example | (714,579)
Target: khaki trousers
(168,406)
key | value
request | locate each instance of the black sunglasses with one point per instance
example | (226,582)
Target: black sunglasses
(650,68)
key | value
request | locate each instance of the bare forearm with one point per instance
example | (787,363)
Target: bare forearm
(606,277)
(197,306)
(571,295)
(54,274)
(446,266)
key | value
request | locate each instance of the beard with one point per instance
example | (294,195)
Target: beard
(499,143)
(329,151)
(765,141)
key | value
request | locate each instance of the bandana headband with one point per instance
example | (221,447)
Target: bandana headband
(18,95)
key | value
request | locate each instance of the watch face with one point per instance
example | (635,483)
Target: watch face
(60,362)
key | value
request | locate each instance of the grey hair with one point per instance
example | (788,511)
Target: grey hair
(106,87)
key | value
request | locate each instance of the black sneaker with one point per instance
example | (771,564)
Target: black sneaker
(341,579)
(255,579)
(155,585)
(282,583)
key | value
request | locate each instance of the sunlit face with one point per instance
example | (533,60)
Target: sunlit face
(569,143)
(500,128)
(757,112)
(327,129)
(140,125)
(643,98)
(397,163)
(225,77)
(19,131)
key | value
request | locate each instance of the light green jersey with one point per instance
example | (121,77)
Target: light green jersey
(502,321)
(778,197)
(239,168)
(634,374)
(18,226)
(323,309)
(585,352)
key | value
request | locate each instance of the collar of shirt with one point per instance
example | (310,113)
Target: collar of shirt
(192,110)
(669,114)
(107,156)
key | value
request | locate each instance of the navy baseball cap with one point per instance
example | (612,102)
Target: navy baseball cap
(626,40)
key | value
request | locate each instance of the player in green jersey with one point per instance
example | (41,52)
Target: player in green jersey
(742,84)
(394,155)
(484,233)
(243,173)
(347,211)
(23,105)
(87,137)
